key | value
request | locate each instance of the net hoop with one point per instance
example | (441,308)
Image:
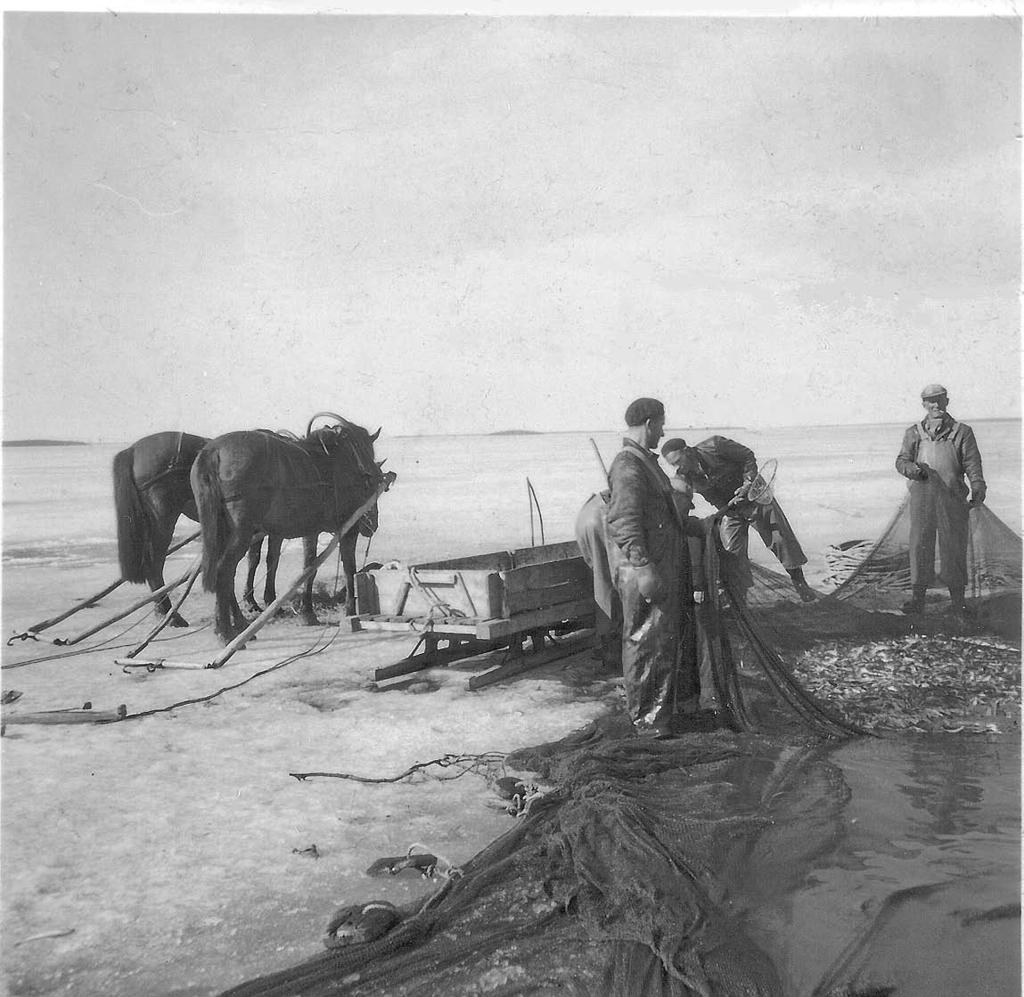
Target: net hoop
(760,490)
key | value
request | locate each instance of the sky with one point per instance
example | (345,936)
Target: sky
(461,224)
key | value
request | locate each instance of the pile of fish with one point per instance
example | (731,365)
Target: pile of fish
(926,684)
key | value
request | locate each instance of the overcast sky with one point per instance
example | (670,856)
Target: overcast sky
(467,224)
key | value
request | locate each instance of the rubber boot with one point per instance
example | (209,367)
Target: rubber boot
(806,593)
(916,605)
(958,607)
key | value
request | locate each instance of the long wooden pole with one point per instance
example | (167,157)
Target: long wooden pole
(540,515)
(92,600)
(152,597)
(600,460)
(270,610)
(168,616)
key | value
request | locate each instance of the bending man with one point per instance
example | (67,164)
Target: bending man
(721,470)
(650,566)
(937,453)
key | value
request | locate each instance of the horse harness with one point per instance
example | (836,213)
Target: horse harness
(174,465)
(323,465)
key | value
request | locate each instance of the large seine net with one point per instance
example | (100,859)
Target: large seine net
(872,579)
(631,877)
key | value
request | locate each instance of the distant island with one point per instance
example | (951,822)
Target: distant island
(516,432)
(45,443)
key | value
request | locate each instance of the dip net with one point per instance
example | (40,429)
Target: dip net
(645,867)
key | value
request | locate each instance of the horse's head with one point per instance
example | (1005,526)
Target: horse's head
(352,445)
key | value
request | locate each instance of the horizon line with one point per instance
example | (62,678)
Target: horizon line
(557,432)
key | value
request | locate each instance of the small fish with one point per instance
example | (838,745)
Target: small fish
(312,851)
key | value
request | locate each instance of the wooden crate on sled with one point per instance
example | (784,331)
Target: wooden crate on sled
(488,596)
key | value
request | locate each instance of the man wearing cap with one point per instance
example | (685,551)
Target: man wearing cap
(649,562)
(722,470)
(937,454)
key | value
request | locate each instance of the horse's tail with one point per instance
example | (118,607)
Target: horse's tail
(134,531)
(213,520)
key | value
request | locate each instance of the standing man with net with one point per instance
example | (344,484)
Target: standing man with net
(650,567)
(937,454)
(722,471)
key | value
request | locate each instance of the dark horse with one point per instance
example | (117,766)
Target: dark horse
(249,481)
(151,491)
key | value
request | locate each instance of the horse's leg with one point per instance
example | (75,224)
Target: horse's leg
(238,618)
(248,596)
(230,621)
(164,517)
(309,550)
(273,559)
(348,564)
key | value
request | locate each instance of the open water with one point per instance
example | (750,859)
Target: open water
(914,879)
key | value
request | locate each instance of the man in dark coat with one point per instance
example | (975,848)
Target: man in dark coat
(937,454)
(721,470)
(649,561)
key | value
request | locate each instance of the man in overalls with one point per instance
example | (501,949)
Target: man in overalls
(650,567)
(937,453)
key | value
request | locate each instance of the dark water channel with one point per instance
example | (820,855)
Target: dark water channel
(889,863)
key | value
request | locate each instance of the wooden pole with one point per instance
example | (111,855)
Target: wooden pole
(92,600)
(83,716)
(600,460)
(152,597)
(270,610)
(193,575)
(529,499)
(540,515)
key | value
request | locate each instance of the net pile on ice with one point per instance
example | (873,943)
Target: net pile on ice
(626,879)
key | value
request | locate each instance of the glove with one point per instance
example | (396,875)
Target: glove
(649,583)
(978,495)
(917,473)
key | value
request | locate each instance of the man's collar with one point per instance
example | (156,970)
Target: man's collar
(945,422)
(630,443)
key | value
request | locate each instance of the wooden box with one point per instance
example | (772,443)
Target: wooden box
(488,595)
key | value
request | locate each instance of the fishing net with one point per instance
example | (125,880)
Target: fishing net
(872,582)
(626,879)
(877,575)
(648,867)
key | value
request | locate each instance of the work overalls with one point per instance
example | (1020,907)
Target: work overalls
(938,507)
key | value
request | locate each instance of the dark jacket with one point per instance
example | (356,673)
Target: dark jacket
(641,512)
(726,465)
(962,437)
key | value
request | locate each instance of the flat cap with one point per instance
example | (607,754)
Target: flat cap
(674,444)
(933,391)
(643,409)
